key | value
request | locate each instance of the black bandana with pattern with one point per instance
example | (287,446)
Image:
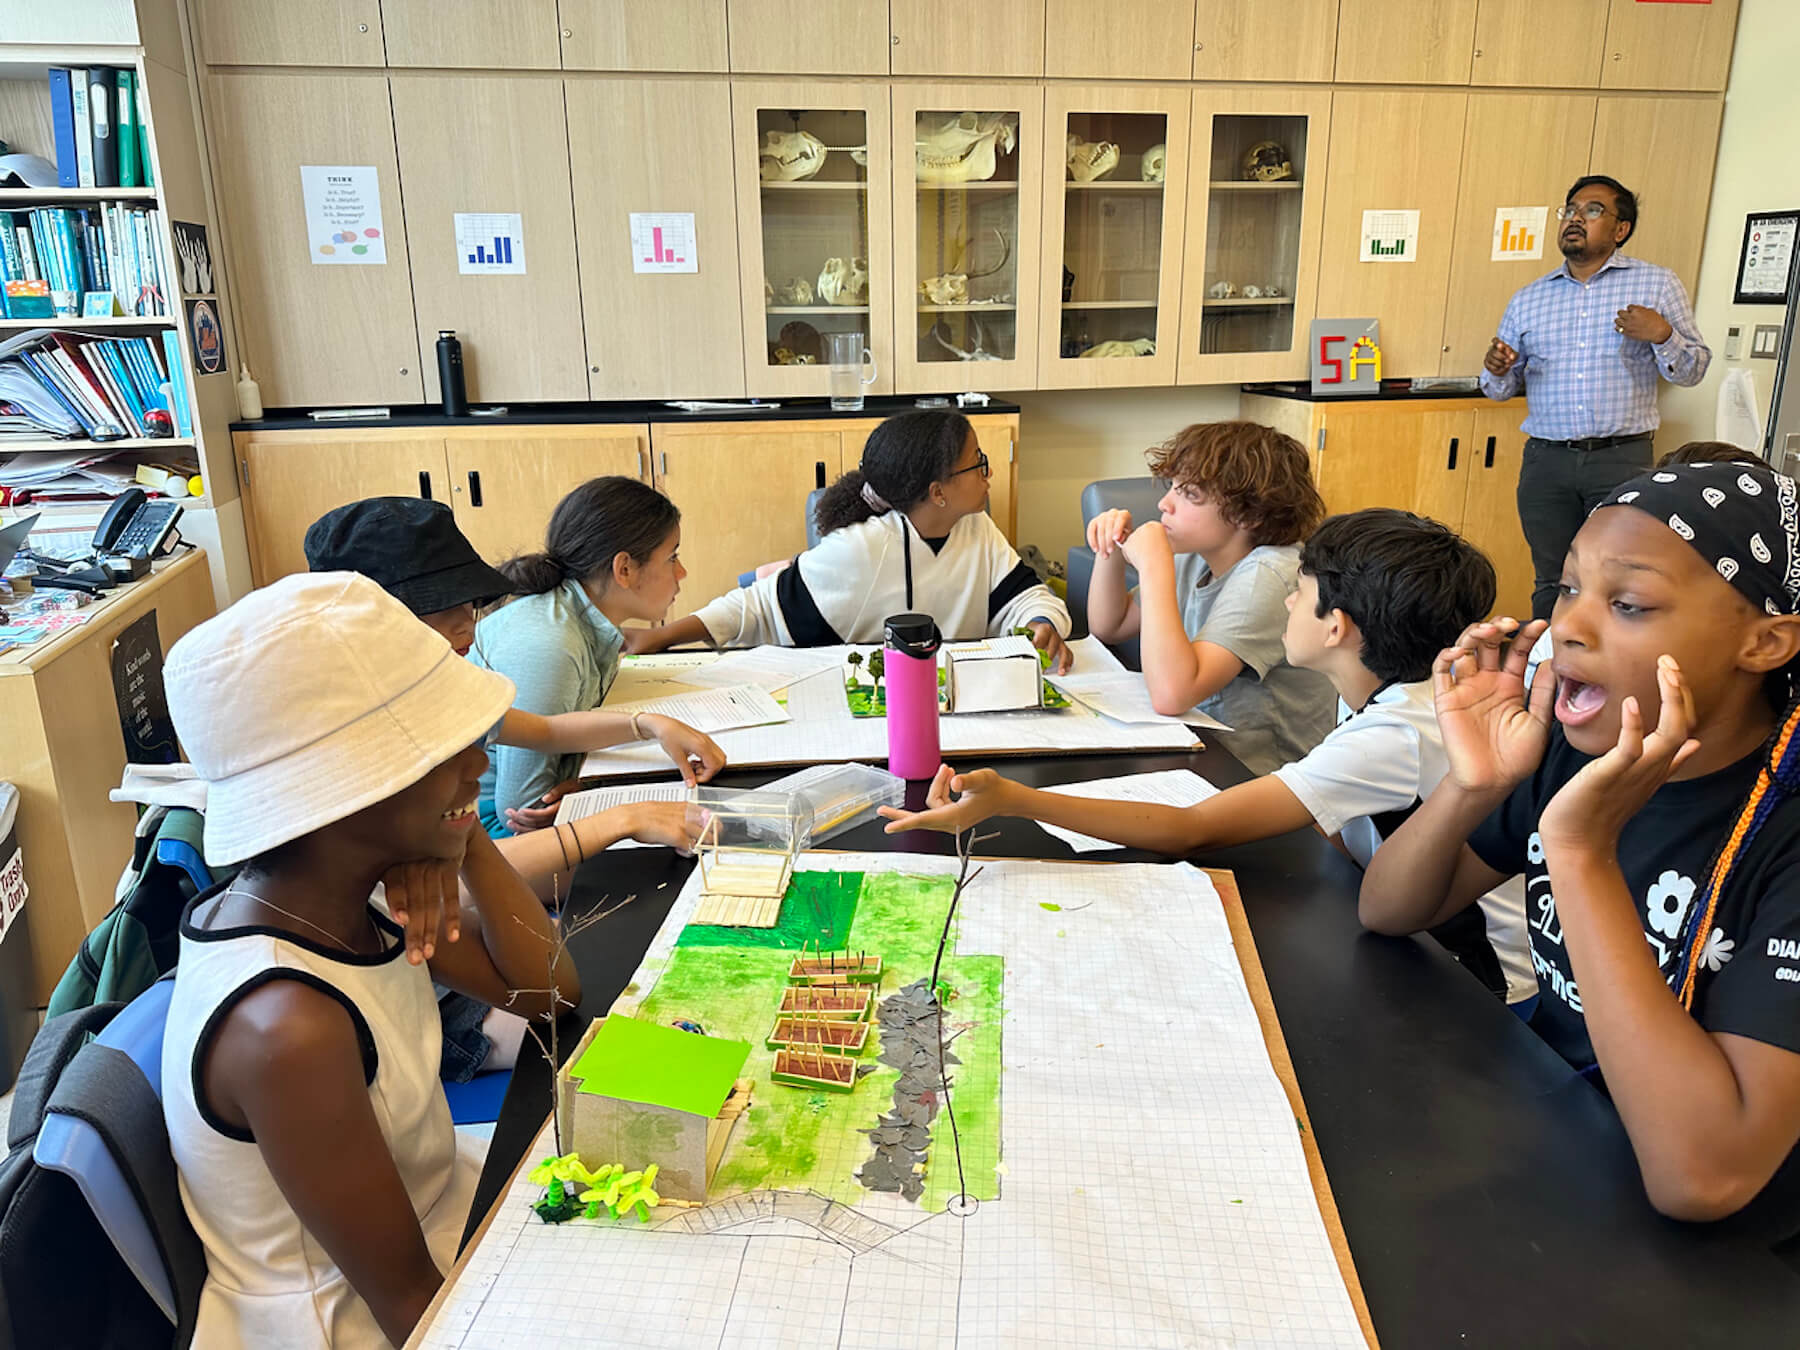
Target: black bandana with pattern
(1742,518)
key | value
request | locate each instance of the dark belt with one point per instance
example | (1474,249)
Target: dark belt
(1600,442)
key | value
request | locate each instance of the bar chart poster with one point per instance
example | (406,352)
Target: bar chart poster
(1390,236)
(490,243)
(1519,233)
(663,241)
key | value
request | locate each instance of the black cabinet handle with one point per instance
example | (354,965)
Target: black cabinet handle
(474,487)
(818,473)
(1490,454)
(1454,442)
(425,484)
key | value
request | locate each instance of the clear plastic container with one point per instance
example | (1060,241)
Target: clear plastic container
(840,796)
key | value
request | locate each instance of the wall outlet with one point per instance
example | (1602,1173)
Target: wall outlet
(1765,342)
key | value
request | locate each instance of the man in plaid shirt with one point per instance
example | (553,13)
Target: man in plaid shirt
(1586,344)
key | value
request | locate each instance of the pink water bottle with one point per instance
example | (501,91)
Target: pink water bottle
(912,642)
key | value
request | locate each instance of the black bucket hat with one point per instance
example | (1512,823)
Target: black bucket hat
(411,547)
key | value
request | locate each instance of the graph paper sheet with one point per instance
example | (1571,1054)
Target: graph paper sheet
(822,731)
(1153,1190)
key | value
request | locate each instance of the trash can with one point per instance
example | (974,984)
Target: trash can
(18,1015)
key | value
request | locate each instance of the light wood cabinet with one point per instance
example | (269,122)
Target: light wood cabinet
(1393,151)
(1549,43)
(672,35)
(1124,40)
(1663,150)
(655,145)
(283,33)
(1518,150)
(810,37)
(1119,239)
(315,334)
(505,483)
(1669,46)
(942,228)
(1244,232)
(291,478)
(787,231)
(491,34)
(1406,42)
(950,38)
(461,150)
(999,437)
(742,494)
(1490,518)
(1266,39)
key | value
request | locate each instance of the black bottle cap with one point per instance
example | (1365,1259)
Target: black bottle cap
(913,635)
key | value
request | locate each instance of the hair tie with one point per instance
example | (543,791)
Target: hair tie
(877,503)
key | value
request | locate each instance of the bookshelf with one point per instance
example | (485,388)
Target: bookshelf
(150,39)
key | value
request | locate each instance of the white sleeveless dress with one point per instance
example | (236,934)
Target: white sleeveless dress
(269,1282)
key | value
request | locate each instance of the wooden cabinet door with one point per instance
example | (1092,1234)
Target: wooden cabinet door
(675,35)
(283,33)
(1266,39)
(462,150)
(655,145)
(1406,42)
(505,483)
(314,333)
(999,437)
(1552,43)
(1376,454)
(291,478)
(813,37)
(1121,239)
(1490,518)
(1669,46)
(495,34)
(742,495)
(939,226)
(1663,150)
(1518,150)
(937,37)
(1393,150)
(1124,40)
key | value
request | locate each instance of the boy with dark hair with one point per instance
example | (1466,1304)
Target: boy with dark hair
(1379,591)
(1214,575)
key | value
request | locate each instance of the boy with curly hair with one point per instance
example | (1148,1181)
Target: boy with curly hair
(1214,575)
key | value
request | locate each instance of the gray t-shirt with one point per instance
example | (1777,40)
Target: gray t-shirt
(1276,712)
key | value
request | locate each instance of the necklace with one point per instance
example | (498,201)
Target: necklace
(232,889)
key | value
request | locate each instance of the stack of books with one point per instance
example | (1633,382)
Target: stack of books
(76,252)
(98,117)
(105,387)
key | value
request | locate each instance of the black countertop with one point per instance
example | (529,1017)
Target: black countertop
(1392,391)
(551,414)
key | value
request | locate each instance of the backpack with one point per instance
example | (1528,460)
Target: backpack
(62,1282)
(140,938)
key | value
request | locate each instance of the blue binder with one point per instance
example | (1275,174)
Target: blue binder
(62,122)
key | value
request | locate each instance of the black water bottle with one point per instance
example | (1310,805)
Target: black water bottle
(450,374)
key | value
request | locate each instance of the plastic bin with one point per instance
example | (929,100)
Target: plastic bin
(18,1015)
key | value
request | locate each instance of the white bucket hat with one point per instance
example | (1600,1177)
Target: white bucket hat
(312,698)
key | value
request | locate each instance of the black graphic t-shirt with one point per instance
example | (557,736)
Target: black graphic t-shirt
(1749,978)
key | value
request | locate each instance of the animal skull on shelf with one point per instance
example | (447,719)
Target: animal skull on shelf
(790,156)
(795,291)
(962,147)
(1267,162)
(1252,292)
(1221,290)
(1154,164)
(977,349)
(1128,347)
(844,283)
(952,288)
(1090,160)
(1271,291)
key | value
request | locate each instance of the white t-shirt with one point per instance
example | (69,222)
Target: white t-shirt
(1370,773)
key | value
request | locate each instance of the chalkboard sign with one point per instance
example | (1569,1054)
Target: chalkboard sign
(137,673)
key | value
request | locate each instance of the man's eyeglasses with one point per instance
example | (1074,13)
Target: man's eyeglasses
(1585,210)
(980,466)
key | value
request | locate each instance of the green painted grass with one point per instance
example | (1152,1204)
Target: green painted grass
(795,1138)
(818,911)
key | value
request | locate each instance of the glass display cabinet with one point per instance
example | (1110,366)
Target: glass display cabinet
(814,232)
(969,159)
(1255,210)
(1113,215)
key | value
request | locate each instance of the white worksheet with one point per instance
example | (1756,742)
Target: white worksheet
(1153,1190)
(713,710)
(595,800)
(1170,787)
(1123,696)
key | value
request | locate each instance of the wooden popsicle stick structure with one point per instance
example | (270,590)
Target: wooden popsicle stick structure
(738,911)
(806,1031)
(835,968)
(748,846)
(814,1069)
(841,1002)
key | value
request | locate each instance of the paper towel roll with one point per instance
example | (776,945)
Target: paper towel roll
(1738,420)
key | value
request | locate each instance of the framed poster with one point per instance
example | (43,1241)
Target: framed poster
(1766,261)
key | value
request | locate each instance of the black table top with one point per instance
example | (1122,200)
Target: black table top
(1489,1195)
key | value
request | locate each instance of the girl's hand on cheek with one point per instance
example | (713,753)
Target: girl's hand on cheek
(1593,806)
(424,897)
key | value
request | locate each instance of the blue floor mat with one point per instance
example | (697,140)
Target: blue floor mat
(478,1100)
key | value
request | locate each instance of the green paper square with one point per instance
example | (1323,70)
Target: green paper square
(660,1066)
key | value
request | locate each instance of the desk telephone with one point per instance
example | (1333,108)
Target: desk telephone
(136,527)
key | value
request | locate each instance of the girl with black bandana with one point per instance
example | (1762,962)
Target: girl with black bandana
(1645,787)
